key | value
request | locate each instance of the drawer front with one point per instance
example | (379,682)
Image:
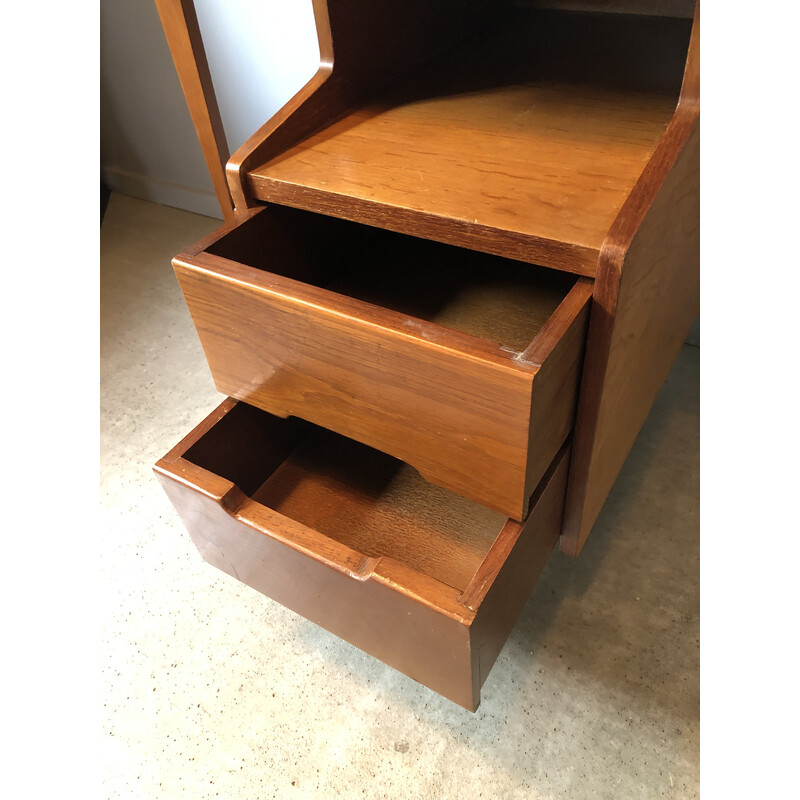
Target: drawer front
(474,417)
(437,604)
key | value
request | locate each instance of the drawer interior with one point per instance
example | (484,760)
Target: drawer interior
(495,299)
(350,493)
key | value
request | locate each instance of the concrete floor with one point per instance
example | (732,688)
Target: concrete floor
(212,690)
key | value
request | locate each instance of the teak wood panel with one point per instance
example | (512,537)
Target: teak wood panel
(647,295)
(462,410)
(179,20)
(380,507)
(442,636)
(370,43)
(525,145)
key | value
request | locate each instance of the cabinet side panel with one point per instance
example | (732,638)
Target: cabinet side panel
(642,310)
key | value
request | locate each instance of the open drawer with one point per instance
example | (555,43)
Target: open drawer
(462,364)
(359,543)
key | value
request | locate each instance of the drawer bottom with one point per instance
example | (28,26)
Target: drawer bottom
(357,542)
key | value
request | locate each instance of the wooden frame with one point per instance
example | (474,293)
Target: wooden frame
(650,248)
(179,20)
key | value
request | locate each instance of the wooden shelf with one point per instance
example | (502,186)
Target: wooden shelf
(500,146)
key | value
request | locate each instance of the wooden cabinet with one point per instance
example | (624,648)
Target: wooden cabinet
(456,271)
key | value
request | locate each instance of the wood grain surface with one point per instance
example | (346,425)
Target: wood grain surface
(559,349)
(415,127)
(381,507)
(646,298)
(179,20)
(386,603)
(526,144)
(504,582)
(364,44)
(454,405)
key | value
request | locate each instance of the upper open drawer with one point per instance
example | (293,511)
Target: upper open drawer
(464,365)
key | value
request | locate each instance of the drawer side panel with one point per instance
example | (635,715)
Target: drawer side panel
(517,567)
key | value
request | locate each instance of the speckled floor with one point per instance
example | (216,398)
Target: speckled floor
(212,690)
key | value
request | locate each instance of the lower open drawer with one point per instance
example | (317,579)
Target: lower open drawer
(360,543)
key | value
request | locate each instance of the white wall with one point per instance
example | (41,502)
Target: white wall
(260,53)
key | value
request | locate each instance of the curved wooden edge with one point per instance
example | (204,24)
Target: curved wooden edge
(363,44)
(648,264)
(311,543)
(620,236)
(179,21)
(296,119)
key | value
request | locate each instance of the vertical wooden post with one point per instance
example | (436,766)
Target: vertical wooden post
(179,20)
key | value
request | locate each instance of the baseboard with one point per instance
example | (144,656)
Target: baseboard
(157,191)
